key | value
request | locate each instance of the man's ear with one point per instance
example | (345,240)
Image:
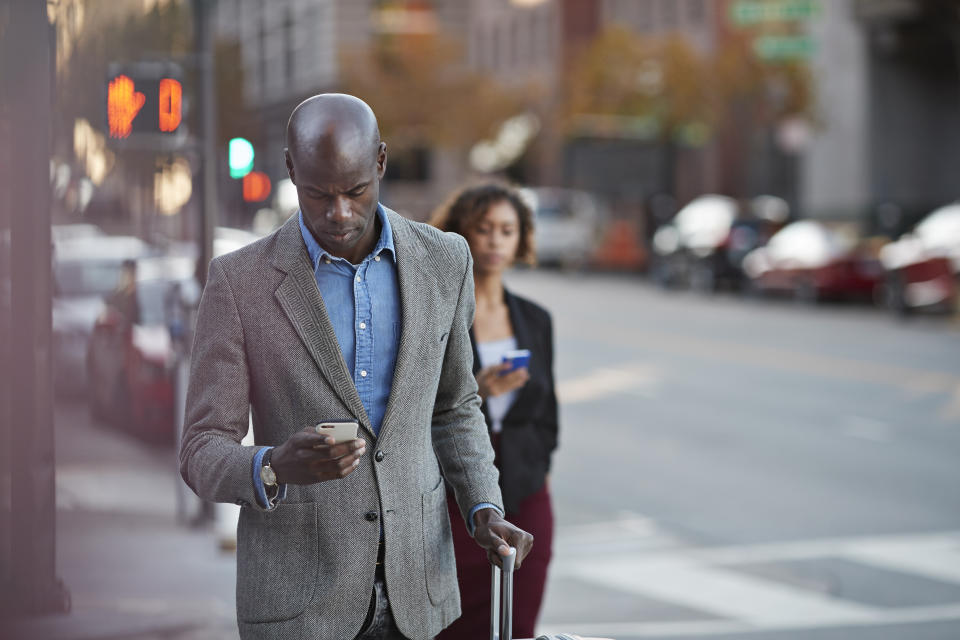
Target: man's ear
(381,160)
(288,159)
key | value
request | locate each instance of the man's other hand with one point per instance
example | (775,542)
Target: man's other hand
(496,535)
(309,457)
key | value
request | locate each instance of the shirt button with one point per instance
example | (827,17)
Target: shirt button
(376,258)
(363,374)
(358,278)
(327,260)
(363,325)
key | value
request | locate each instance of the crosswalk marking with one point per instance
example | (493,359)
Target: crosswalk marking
(641,378)
(705,628)
(758,602)
(649,563)
(938,562)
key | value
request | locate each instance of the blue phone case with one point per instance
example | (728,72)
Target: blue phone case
(518,358)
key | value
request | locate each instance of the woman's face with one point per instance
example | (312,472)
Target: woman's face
(495,238)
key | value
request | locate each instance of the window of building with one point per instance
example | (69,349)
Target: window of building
(644,13)
(668,13)
(696,11)
(290,48)
(409,165)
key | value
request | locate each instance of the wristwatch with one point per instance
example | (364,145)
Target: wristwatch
(267,475)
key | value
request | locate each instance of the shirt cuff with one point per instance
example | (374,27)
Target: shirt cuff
(482,505)
(259,489)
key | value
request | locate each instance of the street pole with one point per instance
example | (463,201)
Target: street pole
(203,29)
(203,25)
(28,463)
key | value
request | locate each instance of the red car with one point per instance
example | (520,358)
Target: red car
(922,266)
(814,261)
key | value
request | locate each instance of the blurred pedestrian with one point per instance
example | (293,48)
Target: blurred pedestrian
(348,312)
(520,406)
(124,296)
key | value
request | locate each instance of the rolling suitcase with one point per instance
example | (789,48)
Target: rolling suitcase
(501,601)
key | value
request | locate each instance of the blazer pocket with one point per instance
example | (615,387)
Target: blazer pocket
(276,562)
(438,555)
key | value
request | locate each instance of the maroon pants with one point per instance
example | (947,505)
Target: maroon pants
(535,516)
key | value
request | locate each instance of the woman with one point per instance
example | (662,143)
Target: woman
(520,406)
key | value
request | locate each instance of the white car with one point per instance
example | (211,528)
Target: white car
(567,224)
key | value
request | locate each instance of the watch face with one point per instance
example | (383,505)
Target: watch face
(268,476)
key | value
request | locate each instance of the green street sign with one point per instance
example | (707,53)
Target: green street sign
(751,12)
(784,47)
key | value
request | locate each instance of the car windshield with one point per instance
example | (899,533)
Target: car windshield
(86,277)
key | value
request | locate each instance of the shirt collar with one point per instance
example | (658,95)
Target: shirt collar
(317,253)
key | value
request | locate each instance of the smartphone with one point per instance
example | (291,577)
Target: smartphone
(341,431)
(518,358)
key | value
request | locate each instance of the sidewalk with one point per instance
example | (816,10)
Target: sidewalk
(133,572)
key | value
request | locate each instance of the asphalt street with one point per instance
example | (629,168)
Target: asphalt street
(728,469)
(734,468)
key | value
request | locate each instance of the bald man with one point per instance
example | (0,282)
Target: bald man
(347,313)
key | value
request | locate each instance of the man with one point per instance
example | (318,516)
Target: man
(348,312)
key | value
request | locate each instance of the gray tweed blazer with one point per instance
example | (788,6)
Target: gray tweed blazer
(265,344)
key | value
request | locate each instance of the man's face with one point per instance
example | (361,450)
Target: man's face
(338,194)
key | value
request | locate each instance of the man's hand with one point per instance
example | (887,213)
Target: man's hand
(493,382)
(496,535)
(309,457)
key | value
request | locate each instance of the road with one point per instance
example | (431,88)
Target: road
(728,469)
(751,469)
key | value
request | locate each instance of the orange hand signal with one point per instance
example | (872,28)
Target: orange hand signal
(123,105)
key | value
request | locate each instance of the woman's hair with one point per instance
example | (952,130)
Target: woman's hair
(466,207)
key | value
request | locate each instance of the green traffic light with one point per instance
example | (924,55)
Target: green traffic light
(240,157)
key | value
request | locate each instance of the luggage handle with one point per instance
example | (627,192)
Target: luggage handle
(501,599)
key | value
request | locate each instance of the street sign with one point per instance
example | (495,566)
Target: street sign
(749,12)
(784,47)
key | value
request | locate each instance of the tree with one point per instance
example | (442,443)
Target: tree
(423,93)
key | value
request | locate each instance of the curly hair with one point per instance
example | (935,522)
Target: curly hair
(466,207)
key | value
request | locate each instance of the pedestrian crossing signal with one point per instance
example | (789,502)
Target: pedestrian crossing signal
(144,100)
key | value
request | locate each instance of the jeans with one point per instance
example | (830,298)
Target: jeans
(379,624)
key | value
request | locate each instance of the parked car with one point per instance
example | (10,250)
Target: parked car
(922,267)
(85,270)
(131,364)
(74,231)
(567,225)
(813,261)
(704,245)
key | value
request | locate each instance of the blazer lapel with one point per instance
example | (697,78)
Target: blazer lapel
(412,279)
(521,332)
(301,301)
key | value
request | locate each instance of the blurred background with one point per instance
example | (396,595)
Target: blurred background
(748,234)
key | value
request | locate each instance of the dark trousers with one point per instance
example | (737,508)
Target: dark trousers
(535,516)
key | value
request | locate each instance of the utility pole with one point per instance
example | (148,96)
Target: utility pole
(203,26)
(27,477)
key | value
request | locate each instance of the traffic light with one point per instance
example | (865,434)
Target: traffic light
(240,157)
(256,186)
(145,103)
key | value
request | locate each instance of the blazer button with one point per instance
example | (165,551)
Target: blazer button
(379,457)
(371,516)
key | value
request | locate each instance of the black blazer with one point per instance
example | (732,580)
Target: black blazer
(530,427)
